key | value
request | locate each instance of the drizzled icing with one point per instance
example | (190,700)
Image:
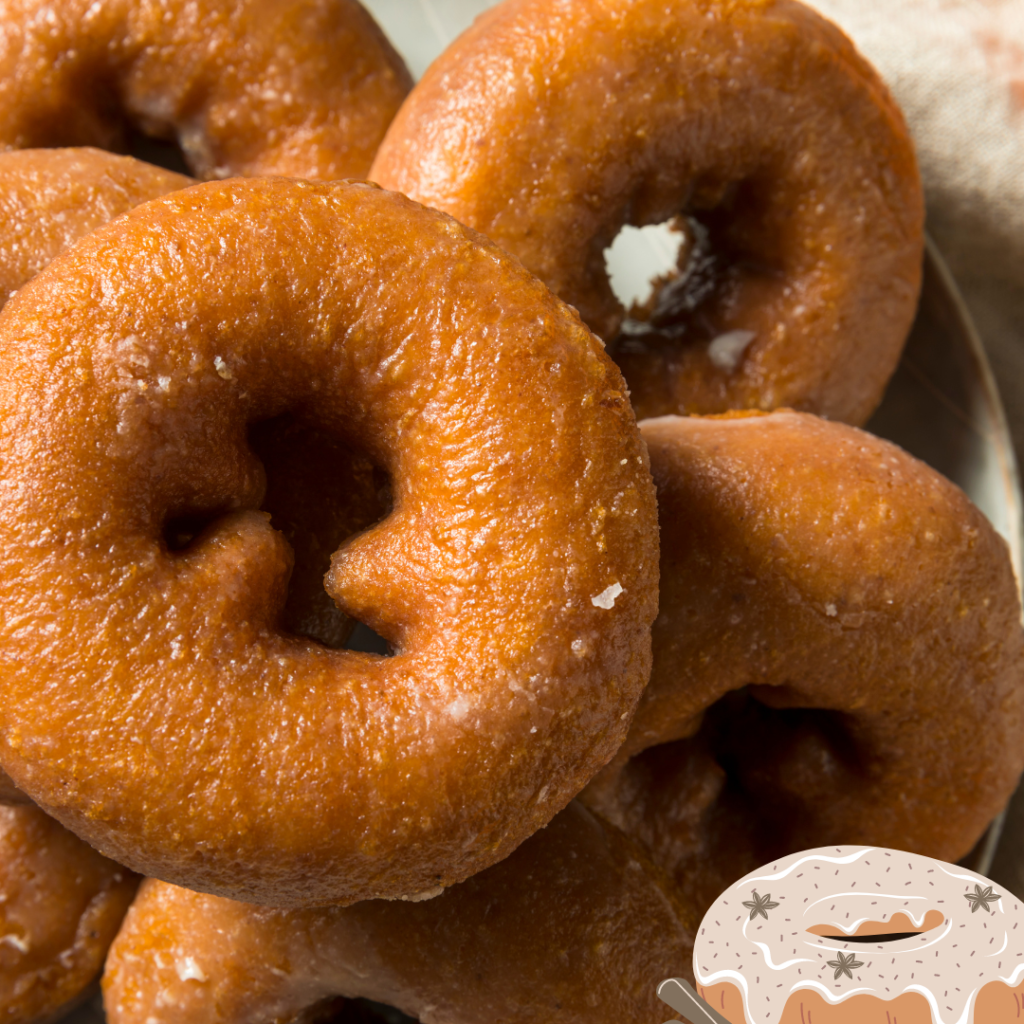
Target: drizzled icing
(770,957)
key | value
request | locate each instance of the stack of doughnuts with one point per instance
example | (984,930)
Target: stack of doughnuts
(626,663)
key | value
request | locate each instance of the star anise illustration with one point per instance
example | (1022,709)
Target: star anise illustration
(981,897)
(846,964)
(760,905)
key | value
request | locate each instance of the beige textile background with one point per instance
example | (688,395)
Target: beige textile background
(956,68)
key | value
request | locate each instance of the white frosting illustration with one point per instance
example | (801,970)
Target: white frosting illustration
(756,934)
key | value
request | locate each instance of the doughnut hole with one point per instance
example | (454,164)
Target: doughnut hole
(744,790)
(320,489)
(163,152)
(726,296)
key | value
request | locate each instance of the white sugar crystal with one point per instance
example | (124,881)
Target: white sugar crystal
(222,368)
(831,611)
(189,970)
(727,349)
(163,383)
(20,944)
(606,599)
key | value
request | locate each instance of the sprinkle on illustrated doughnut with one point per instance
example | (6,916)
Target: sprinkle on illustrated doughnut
(182,730)
(298,87)
(838,654)
(51,197)
(572,928)
(826,951)
(61,904)
(551,124)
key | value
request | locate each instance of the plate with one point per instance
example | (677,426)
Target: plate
(942,404)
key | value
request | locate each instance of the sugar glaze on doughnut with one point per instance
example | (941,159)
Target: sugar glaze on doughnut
(962,962)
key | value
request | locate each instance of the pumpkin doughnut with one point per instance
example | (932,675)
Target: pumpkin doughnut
(755,121)
(576,927)
(515,577)
(297,87)
(51,197)
(61,904)
(838,654)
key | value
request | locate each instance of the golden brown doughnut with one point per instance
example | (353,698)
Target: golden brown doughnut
(50,197)
(838,654)
(298,87)
(516,576)
(576,926)
(60,907)
(550,124)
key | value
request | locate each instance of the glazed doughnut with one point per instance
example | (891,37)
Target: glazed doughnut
(515,577)
(61,904)
(298,87)
(50,197)
(837,657)
(936,959)
(576,926)
(756,120)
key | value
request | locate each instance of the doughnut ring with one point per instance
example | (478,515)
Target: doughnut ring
(838,655)
(575,927)
(754,122)
(901,938)
(51,197)
(61,908)
(518,607)
(304,88)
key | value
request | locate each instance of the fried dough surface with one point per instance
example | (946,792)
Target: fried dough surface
(838,654)
(515,577)
(550,124)
(297,87)
(572,927)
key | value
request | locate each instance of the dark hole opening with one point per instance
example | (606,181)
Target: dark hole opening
(745,790)
(727,245)
(321,489)
(891,937)
(353,1011)
(164,153)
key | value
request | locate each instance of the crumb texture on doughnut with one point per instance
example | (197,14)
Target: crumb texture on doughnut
(550,124)
(838,654)
(764,967)
(571,928)
(132,369)
(61,904)
(304,88)
(50,197)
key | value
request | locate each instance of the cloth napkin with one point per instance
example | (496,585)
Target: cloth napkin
(956,67)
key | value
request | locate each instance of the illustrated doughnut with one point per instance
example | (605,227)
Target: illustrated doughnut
(515,577)
(574,927)
(60,909)
(298,87)
(755,121)
(837,655)
(51,197)
(857,935)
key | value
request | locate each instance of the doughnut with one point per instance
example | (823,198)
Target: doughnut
(753,124)
(50,197)
(861,935)
(304,88)
(61,904)
(837,656)
(183,730)
(575,926)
